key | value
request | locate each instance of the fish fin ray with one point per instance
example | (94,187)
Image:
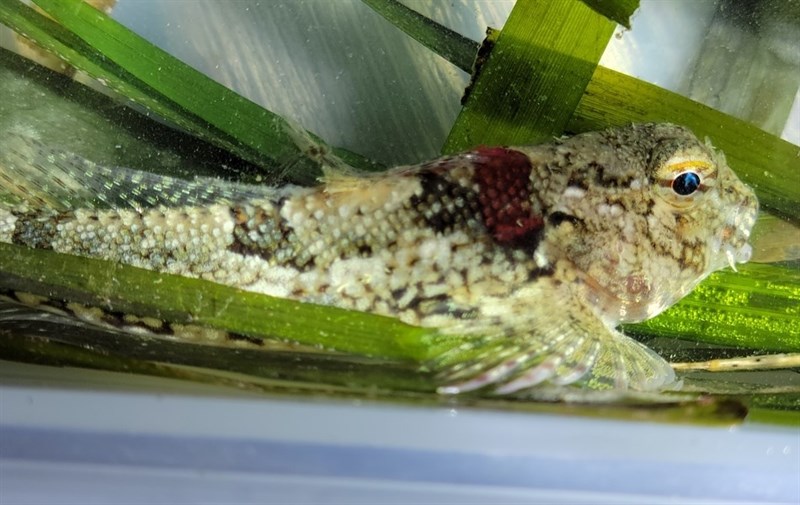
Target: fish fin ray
(570,348)
(42,177)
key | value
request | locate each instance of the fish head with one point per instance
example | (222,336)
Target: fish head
(644,213)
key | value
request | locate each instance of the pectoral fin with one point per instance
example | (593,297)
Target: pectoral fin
(565,346)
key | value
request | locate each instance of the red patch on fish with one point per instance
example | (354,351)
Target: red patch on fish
(503,177)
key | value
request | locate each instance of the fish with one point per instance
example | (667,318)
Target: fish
(534,254)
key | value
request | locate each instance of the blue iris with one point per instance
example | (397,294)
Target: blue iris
(686,183)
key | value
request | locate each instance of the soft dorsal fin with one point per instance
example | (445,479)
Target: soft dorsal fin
(33,173)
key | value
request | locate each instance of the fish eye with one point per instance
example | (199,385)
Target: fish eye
(686,183)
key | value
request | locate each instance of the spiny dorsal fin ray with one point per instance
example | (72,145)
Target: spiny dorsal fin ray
(43,177)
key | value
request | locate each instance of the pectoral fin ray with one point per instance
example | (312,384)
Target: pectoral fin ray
(570,347)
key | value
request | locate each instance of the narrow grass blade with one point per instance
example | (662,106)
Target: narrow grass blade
(517,101)
(455,48)
(32,336)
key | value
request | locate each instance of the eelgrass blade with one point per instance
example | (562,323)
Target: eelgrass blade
(519,106)
(450,45)
(42,337)
(533,79)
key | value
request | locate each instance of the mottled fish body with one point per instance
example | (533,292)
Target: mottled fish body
(538,252)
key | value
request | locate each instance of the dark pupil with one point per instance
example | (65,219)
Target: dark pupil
(686,183)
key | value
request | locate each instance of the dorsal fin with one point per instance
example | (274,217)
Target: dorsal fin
(40,176)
